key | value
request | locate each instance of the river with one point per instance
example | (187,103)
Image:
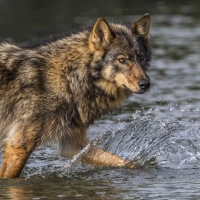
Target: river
(159,130)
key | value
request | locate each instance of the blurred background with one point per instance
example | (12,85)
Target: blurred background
(24,20)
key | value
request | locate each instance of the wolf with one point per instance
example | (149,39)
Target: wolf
(54,91)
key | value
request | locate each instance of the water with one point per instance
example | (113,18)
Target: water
(158,130)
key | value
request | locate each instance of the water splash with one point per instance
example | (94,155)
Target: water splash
(167,143)
(139,141)
(182,150)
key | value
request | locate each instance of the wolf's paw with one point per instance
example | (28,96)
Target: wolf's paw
(129,164)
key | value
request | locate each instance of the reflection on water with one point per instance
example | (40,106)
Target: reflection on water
(174,96)
(67,188)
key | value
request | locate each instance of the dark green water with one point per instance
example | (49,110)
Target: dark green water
(175,94)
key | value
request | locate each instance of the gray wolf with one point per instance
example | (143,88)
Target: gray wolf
(54,91)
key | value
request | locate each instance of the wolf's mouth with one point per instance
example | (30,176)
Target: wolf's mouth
(137,90)
(142,91)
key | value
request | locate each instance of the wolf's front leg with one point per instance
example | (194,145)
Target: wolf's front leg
(70,146)
(14,160)
(100,157)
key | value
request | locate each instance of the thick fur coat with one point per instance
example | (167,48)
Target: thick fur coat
(56,90)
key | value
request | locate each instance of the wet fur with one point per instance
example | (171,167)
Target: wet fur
(56,90)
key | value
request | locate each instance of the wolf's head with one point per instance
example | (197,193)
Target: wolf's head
(121,55)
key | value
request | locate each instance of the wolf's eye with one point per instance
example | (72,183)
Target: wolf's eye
(122,60)
(141,56)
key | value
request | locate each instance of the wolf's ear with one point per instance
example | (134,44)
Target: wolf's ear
(102,34)
(142,26)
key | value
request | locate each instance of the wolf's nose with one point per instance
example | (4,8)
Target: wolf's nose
(144,84)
